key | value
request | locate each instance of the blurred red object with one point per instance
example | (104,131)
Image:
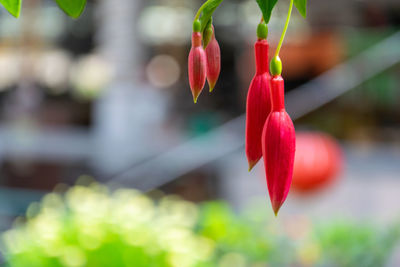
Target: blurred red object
(318,161)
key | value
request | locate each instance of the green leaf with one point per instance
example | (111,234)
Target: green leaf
(301,6)
(266,7)
(72,8)
(208,10)
(12,6)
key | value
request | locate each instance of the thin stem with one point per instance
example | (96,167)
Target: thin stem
(278,49)
(200,10)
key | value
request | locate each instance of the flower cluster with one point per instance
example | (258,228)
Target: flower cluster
(269,130)
(270,133)
(204,60)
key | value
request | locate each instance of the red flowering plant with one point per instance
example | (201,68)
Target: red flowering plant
(258,98)
(270,133)
(197,63)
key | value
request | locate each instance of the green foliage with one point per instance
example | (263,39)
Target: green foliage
(301,6)
(251,238)
(207,11)
(12,6)
(347,244)
(72,8)
(92,227)
(266,7)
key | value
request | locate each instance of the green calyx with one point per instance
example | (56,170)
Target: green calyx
(207,34)
(262,30)
(276,66)
(196,25)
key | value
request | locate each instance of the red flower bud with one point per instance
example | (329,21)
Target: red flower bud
(278,146)
(197,65)
(213,61)
(258,104)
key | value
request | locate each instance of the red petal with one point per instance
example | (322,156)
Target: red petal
(257,110)
(278,147)
(213,62)
(258,104)
(197,66)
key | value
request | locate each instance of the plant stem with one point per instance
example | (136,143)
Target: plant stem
(200,10)
(278,49)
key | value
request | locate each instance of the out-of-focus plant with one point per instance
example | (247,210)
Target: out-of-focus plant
(345,244)
(245,239)
(92,226)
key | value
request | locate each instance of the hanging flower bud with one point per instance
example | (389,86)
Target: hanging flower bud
(213,61)
(197,63)
(258,99)
(278,142)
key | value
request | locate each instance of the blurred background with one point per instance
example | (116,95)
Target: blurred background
(107,96)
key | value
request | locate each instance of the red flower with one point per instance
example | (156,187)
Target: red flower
(278,146)
(258,104)
(197,66)
(213,61)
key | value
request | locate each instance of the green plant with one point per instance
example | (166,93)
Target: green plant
(347,244)
(90,226)
(258,104)
(94,227)
(72,8)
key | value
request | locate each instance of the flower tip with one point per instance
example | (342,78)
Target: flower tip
(195,97)
(211,88)
(211,84)
(276,213)
(252,164)
(276,206)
